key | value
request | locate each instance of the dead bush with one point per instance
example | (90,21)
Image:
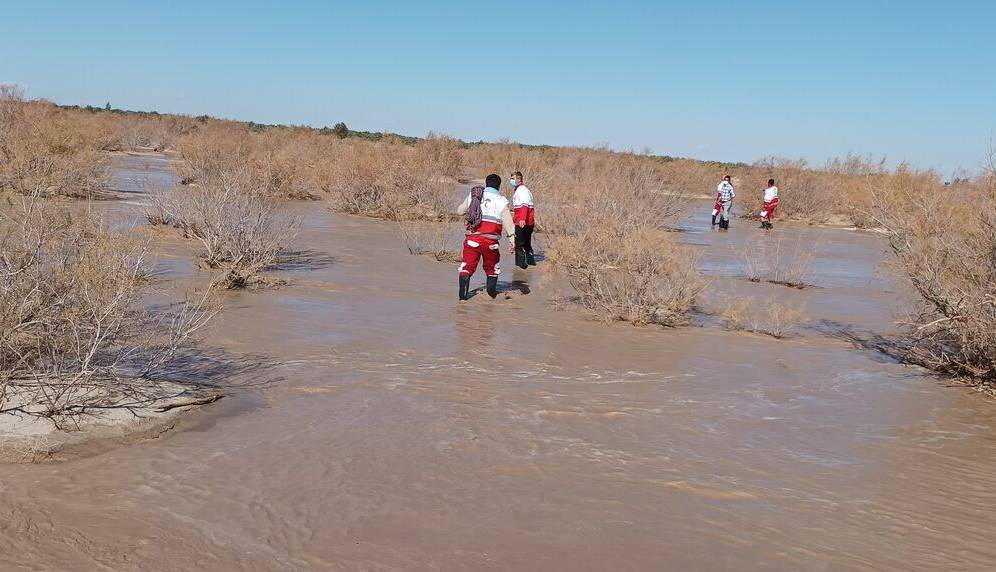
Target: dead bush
(607,216)
(805,194)
(944,242)
(241,230)
(772,318)
(641,275)
(574,184)
(382,179)
(47,151)
(769,259)
(212,149)
(75,338)
(391,180)
(438,240)
(133,132)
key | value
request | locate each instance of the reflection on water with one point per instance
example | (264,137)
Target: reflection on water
(405,430)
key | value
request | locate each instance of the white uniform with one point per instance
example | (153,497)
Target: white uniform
(522,197)
(770,194)
(495,216)
(770,203)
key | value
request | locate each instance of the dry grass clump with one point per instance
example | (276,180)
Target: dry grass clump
(75,338)
(944,241)
(47,151)
(771,318)
(770,260)
(240,228)
(641,275)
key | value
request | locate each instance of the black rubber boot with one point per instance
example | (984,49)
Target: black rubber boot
(464,287)
(530,258)
(492,286)
(520,257)
(713,220)
(764,224)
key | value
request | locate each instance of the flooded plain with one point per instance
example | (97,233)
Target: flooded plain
(381,425)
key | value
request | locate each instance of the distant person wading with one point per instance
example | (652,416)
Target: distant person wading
(769,205)
(524,216)
(487,216)
(724,202)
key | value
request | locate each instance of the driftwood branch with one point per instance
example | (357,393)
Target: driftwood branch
(191,402)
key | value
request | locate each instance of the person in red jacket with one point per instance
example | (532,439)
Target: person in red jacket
(524,217)
(487,216)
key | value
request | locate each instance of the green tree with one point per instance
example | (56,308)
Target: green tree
(340,130)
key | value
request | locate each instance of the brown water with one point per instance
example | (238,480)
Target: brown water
(399,429)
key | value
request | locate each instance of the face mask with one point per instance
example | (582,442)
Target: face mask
(513,182)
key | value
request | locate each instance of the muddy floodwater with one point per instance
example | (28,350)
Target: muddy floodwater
(381,425)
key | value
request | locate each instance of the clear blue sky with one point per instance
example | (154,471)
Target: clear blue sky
(733,81)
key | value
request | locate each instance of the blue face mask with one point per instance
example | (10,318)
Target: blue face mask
(512,182)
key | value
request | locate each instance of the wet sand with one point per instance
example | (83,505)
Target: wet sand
(385,426)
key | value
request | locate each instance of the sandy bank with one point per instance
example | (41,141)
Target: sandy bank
(28,438)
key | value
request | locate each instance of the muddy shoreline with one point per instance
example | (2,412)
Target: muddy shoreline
(380,425)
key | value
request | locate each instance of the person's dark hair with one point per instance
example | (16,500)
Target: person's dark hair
(518,175)
(493,181)
(726,177)
(771,182)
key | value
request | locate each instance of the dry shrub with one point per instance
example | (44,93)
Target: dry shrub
(240,228)
(608,215)
(641,275)
(628,192)
(281,161)
(805,194)
(48,151)
(770,260)
(540,166)
(440,154)
(771,318)
(944,241)
(574,184)
(686,176)
(438,240)
(75,337)
(212,149)
(392,180)
(836,193)
(383,179)
(136,132)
